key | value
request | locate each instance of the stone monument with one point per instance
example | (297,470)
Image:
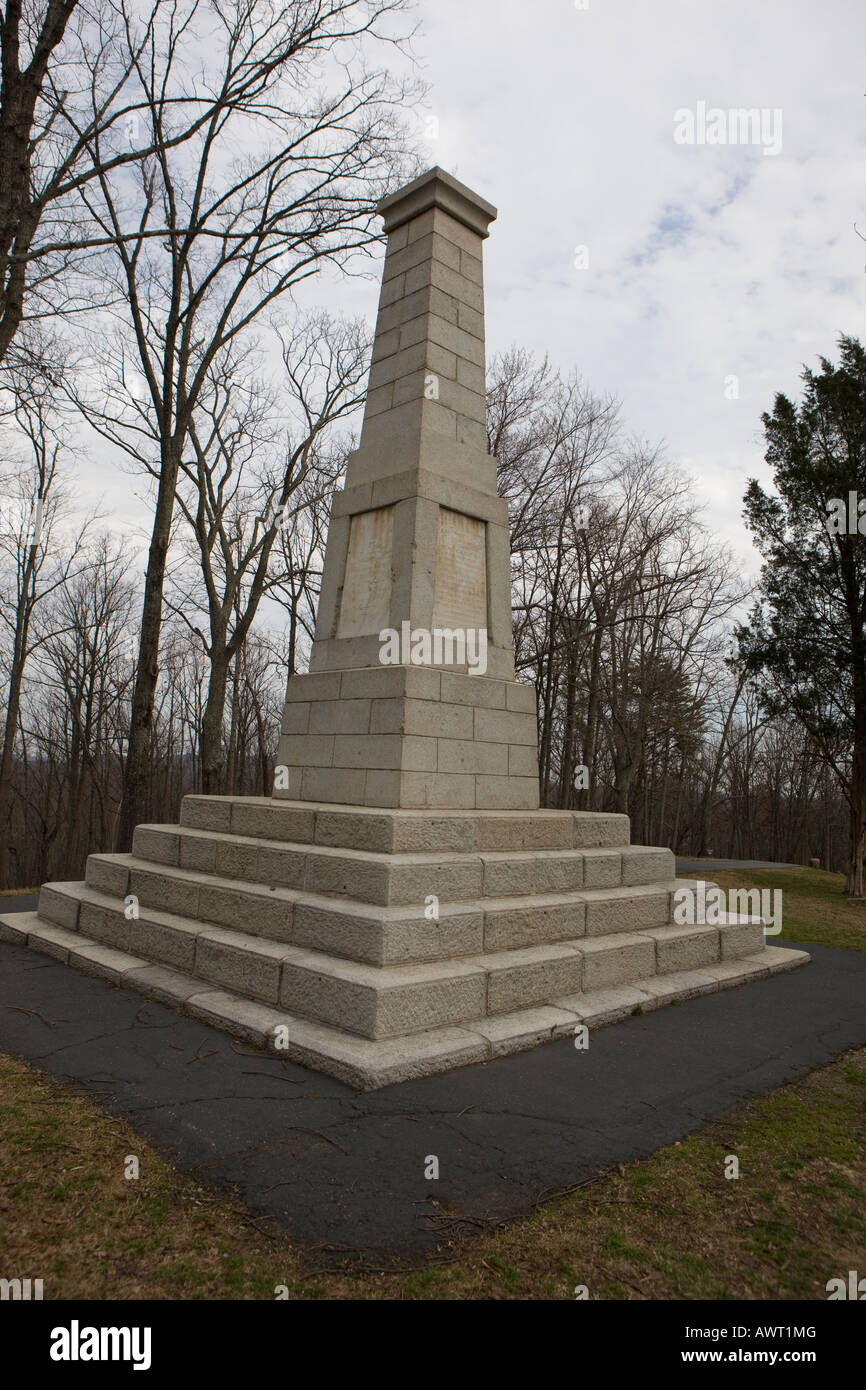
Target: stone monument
(400,905)
(419,544)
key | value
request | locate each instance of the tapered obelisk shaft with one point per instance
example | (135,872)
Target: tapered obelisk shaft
(418,547)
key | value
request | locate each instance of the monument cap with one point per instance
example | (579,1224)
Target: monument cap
(436,189)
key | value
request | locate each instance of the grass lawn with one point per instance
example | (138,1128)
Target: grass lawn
(670,1227)
(815,910)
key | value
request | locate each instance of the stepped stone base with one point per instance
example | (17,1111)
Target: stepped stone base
(379,945)
(409,737)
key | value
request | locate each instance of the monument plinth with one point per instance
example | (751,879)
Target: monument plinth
(418,547)
(400,905)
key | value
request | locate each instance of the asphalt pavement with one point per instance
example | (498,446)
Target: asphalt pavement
(344,1172)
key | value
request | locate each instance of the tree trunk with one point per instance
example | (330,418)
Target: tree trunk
(856,883)
(6,763)
(233,762)
(212,759)
(135,776)
(566,776)
(587,797)
(13,707)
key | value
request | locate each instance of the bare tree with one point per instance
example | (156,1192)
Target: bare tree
(86,659)
(237,503)
(34,562)
(78,82)
(255,204)
(70,82)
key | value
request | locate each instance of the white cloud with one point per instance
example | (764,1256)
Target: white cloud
(705,261)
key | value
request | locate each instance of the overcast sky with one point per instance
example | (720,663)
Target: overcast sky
(706,261)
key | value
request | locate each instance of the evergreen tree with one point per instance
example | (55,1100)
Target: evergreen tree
(805,642)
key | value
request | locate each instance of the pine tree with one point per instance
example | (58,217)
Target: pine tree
(805,642)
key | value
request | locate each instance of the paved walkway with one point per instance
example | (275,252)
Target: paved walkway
(342,1170)
(697,866)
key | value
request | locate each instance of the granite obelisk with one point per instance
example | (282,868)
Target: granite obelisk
(418,547)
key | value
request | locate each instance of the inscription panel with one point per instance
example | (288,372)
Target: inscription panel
(365,605)
(461,572)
